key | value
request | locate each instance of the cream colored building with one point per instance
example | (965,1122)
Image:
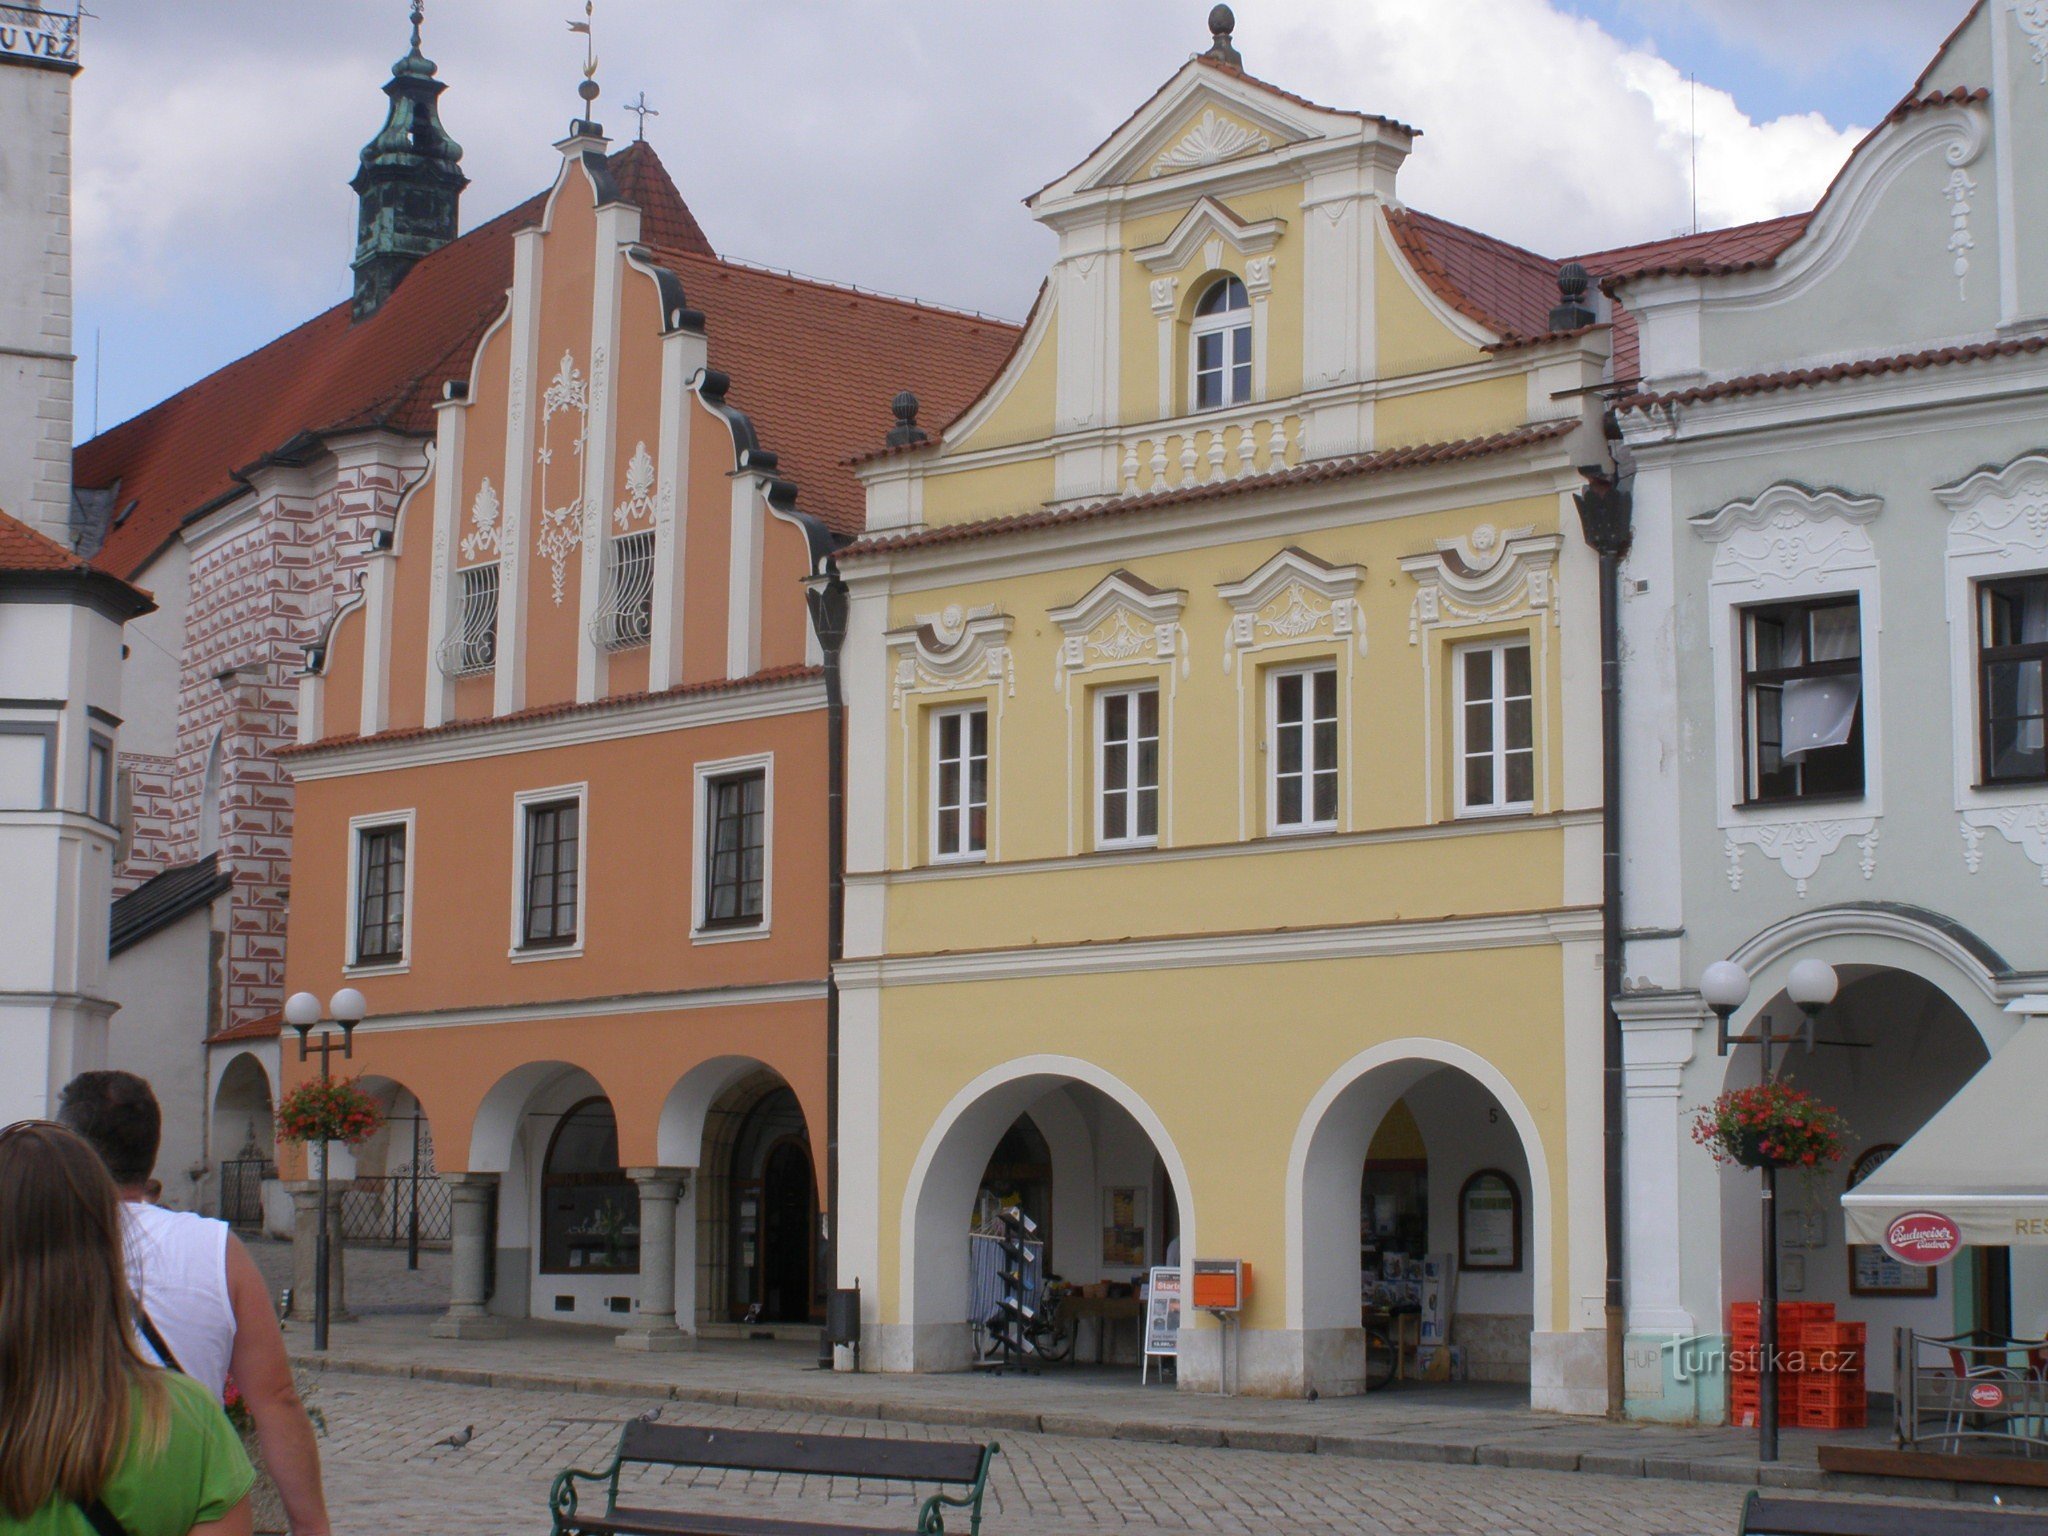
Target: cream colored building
(1224,751)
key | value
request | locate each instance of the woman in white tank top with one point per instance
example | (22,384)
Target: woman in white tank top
(178,1268)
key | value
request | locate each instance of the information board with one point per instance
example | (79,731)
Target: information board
(1162,1317)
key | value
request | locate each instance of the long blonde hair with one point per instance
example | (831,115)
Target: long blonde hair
(71,1375)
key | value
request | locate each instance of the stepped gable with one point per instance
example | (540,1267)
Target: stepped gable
(815,367)
(183,456)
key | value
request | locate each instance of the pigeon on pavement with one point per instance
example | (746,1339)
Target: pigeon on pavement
(457,1442)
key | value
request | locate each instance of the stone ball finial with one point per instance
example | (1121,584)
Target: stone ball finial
(1572,311)
(906,431)
(1222,23)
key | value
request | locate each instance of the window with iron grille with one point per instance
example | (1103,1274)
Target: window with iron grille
(1802,694)
(2012,640)
(627,616)
(476,648)
(735,849)
(380,895)
(553,863)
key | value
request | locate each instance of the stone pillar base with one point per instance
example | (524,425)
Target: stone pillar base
(656,1341)
(467,1326)
(1568,1372)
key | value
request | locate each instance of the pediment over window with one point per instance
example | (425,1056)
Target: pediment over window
(1488,574)
(1789,534)
(955,648)
(1294,597)
(1209,223)
(1124,619)
(2001,511)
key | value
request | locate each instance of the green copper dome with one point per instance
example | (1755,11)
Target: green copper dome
(409,183)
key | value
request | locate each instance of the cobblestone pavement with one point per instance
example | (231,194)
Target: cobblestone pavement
(375,1278)
(385,1474)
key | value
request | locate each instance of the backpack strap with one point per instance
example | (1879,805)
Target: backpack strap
(101,1519)
(157,1342)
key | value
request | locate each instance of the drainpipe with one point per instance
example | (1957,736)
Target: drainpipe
(1604,516)
(826,595)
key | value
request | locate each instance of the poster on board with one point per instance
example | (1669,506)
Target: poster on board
(1162,1318)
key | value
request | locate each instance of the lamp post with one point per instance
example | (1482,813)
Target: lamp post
(1724,986)
(302,1012)
(827,597)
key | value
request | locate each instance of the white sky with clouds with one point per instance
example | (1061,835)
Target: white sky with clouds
(888,142)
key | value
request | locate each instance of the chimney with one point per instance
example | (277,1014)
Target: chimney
(409,184)
(38,57)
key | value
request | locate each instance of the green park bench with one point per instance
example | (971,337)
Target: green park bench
(949,1464)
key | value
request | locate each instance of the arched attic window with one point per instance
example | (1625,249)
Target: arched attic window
(1220,347)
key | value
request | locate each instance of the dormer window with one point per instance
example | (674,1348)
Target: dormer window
(1220,346)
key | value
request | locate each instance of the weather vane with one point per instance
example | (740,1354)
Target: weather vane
(588,89)
(644,112)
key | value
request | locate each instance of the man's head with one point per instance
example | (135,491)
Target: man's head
(117,1113)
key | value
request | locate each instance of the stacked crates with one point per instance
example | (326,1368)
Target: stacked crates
(1820,1376)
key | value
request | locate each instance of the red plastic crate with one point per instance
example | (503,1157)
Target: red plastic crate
(1833,1416)
(1833,1335)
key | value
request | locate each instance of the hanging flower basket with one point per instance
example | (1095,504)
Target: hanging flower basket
(1772,1125)
(332,1111)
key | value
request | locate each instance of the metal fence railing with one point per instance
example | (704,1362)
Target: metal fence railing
(241,1191)
(398,1210)
(1971,1393)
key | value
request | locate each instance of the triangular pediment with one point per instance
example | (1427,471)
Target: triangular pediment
(1202,117)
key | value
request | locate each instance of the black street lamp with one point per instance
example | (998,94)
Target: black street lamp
(1724,986)
(302,1012)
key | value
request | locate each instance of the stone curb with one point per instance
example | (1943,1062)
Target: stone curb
(1516,1454)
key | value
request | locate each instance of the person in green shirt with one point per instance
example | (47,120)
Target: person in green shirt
(94,1441)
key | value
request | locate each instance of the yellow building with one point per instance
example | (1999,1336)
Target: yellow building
(1224,742)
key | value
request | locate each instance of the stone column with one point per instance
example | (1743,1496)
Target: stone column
(468,1317)
(1660,1034)
(305,1195)
(653,1327)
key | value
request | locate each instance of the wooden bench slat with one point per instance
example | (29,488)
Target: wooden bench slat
(758,1450)
(1794,1517)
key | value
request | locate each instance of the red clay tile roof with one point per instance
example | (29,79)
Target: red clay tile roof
(1386,461)
(350,740)
(1735,249)
(1502,286)
(815,364)
(24,549)
(268,1027)
(1862,368)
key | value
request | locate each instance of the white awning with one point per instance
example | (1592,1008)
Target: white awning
(1981,1162)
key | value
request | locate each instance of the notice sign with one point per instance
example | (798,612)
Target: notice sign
(1162,1313)
(38,36)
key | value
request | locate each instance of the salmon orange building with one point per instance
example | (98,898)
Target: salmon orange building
(561,787)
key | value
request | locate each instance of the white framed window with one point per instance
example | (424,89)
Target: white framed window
(1301,748)
(550,839)
(960,783)
(1127,767)
(1494,728)
(380,893)
(732,879)
(2012,680)
(1220,347)
(1802,701)
(99,778)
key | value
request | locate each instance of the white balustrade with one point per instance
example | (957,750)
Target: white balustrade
(1194,450)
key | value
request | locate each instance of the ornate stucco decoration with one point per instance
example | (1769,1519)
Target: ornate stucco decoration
(484,536)
(1998,523)
(2032,16)
(1958,189)
(1484,576)
(637,505)
(1789,541)
(1789,533)
(1291,599)
(1212,138)
(1205,230)
(561,527)
(957,648)
(1123,621)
